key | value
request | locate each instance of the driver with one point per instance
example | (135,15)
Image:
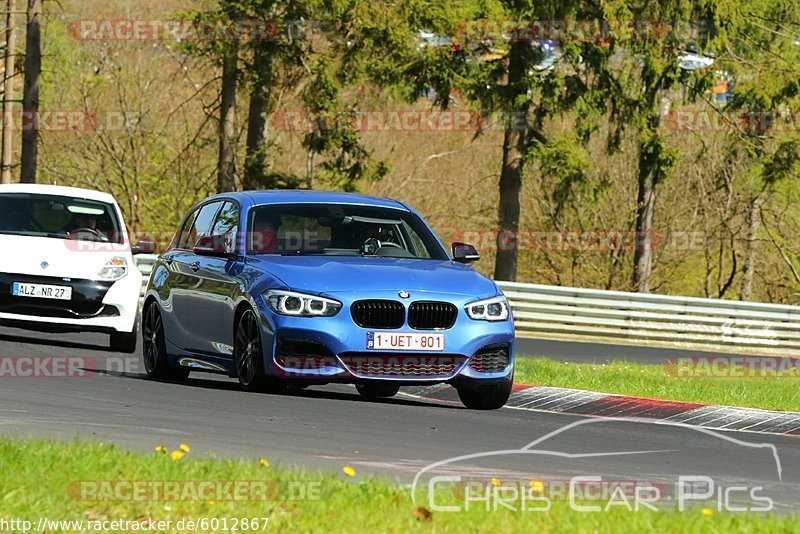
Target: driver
(87,223)
(264,239)
(84,220)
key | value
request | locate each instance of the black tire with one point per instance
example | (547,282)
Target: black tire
(377,390)
(489,397)
(248,356)
(124,341)
(154,347)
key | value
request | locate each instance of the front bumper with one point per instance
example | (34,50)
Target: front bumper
(334,349)
(95,306)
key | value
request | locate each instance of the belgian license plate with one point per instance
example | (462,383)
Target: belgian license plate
(40,291)
(405,341)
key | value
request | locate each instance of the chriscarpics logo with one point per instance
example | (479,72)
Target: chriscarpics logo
(599,465)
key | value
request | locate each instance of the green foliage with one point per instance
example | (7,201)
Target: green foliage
(42,479)
(656,158)
(300,34)
(565,161)
(606,94)
(334,134)
(783,163)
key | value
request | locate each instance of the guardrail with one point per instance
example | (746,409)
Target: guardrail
(145,264)
(681,322)
(661,320)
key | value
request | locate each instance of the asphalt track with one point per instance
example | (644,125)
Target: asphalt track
(331,426)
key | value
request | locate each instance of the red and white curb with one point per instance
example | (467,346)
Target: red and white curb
(591,403)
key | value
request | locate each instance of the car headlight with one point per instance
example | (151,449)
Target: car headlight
(300,304)
(493,309)
(114,269)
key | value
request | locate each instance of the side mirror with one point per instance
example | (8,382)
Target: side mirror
(464,253)
(212,245)
(144,246)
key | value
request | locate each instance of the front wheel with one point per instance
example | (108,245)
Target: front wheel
(488,397)
(381,390)
(248,356)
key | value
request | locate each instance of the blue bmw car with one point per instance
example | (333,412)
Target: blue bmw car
(295,288)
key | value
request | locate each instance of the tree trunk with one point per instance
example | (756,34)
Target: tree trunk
(255,160)
(515,141)
(645,215)
(30,95)
(226,178)
(8,94)
(653,166)
(753,224)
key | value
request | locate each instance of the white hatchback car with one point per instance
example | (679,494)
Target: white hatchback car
(67,263)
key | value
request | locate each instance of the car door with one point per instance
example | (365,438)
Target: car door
(213,297)
(183,264)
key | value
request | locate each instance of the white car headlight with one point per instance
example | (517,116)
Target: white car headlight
(114,269)
(493,309)
(300,304)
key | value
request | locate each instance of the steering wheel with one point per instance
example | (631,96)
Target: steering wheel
(370,245)
(97,233)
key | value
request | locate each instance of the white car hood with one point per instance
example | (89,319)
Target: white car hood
(44,256)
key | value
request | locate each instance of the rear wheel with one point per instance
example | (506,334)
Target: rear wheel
(488,397)
(380,390)
(249,358)
(154,347)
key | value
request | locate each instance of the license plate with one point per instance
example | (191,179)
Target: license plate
(405,341)
(40,291)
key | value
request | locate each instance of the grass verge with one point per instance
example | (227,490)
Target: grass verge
(43,480)
(655,381)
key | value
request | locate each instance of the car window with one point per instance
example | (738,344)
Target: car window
(183,242)
(419,247)
(200,225)
(340,230)
(59,217)
(225,227)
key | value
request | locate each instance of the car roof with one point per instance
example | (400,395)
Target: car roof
(44,189)
(300,196)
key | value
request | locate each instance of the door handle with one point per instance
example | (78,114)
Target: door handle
(195,266)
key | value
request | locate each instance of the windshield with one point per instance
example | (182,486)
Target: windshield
(58,217)
(340,230)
